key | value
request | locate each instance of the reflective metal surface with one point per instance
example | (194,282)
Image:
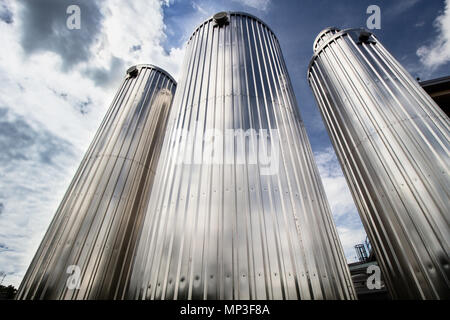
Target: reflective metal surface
(240,225)
(392,141)
(323,36)
(96,226)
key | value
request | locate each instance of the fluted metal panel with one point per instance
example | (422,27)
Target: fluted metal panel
(235,228)
(392,141)
(323,36)
(96,226)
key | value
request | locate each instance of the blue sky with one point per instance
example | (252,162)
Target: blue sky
(57,84)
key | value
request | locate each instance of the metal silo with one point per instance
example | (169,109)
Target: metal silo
(238,210)
(88,249)
(392,141)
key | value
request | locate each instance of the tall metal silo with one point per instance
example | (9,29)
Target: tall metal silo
(238,210)
(93,234)
(392,141)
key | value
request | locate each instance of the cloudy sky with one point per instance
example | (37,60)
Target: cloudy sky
(56,84)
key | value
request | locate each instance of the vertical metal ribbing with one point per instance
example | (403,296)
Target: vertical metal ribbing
(226,230)
(323,37)
(96,225)
(393,144)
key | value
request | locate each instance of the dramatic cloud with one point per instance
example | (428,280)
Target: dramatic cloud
(44,28)
(134,33)
(438,52)
(56,86)
(106,76)
(5,13)
(33,165)
(19,141)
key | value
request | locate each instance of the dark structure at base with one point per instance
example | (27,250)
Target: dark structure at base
(439,91)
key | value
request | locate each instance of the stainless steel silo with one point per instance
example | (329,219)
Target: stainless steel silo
(88,249)
(238,210)
(392,141)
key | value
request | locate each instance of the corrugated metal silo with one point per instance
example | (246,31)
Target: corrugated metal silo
(392,141)
(93,234)
(238,210)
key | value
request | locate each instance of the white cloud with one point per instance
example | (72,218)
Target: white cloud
(339,195)
(349,227)
(438,52)
(53,114)
(199,8)
(139,23)
(262,5)
(398,7)
(419,24)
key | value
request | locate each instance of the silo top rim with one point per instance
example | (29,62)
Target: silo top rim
(240,13)
(151,66)
(321,33)
(336,35)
